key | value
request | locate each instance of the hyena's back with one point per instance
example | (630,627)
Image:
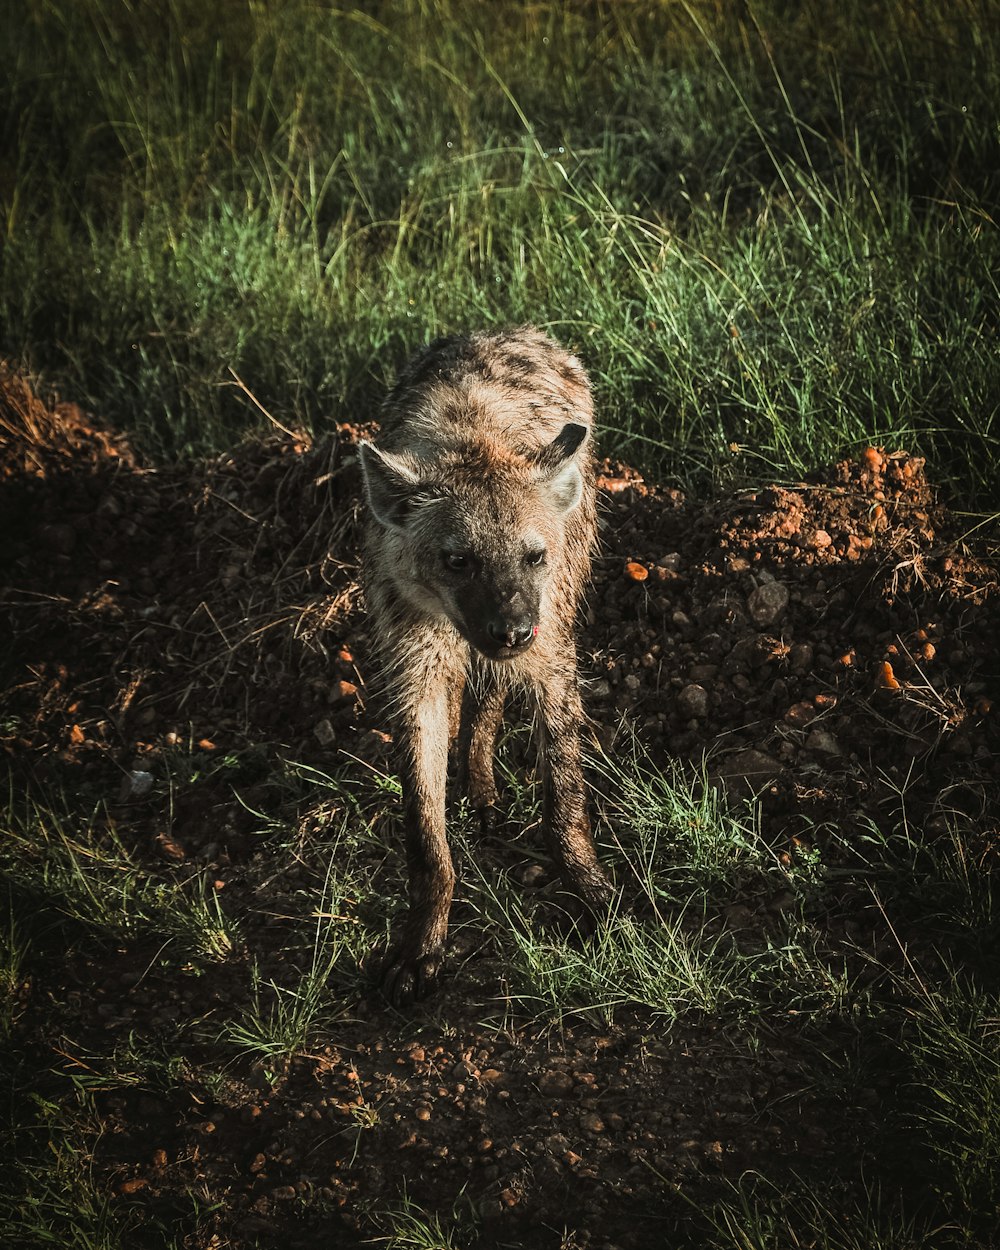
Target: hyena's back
(515,388)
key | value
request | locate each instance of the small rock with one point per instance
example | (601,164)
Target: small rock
(823,741)
(767,604)
(555,1084)
(533,875)
(592,1122)
(169,848)
(747,772)
(423,1112)
(692,702)
(800,658)
(342,691)
(671,561)
(135,785)
(800,714)
(257,1163)
(133,1185)
(324,733)
(820,540)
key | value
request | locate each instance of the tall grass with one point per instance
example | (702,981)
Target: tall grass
(771,237)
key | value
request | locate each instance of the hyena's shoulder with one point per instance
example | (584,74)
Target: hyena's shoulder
(517,383)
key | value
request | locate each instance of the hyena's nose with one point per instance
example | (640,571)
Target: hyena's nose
(511,635)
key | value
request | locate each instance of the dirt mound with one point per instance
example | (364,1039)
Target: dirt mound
(827,643)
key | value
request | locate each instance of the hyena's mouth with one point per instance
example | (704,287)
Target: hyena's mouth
(508,647)
(509,638)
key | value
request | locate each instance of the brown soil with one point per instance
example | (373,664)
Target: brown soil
(824,642)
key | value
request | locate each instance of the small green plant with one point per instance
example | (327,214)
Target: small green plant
(760,1215)
(77,863)
(409,1227)
(14,948)
(954,1047)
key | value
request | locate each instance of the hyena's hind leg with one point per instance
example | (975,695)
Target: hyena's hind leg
(482,716)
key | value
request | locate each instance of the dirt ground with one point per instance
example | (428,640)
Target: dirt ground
(823,642)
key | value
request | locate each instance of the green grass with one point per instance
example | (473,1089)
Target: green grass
(772,237)
(771,233)
(684,858)
(73,863)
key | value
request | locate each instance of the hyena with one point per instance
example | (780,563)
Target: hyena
(482,498)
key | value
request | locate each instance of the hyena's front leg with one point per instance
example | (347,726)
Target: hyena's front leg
(422,736)
(564,802)
(482,715)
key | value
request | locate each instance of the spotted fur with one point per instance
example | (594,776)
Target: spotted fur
(482,520)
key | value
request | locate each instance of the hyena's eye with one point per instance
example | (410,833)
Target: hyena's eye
(535,557)
(458,561)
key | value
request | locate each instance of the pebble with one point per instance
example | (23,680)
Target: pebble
(135,785)
(800,714)
(555,1084)
(767,604)
(692,702)
(133,1186)
(823,741)
(533,875)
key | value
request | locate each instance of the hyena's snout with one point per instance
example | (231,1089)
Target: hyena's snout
(508,622)
(512,634)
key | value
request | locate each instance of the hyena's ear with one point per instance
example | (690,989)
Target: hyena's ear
(391,484)
(558,469)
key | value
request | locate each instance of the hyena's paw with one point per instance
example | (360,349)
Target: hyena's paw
(595,901)
(595,891)
(410,974)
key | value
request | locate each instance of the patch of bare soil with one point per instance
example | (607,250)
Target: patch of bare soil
(827,643)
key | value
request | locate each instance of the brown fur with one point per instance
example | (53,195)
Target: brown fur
(481,490)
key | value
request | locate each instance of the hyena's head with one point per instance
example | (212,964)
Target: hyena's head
(477,534)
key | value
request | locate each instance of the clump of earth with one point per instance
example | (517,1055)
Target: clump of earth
(819,643)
